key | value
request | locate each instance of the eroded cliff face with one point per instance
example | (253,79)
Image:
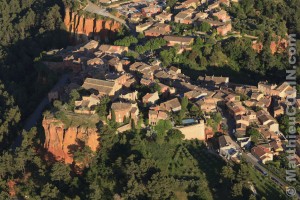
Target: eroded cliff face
(84,28)
(60,141)
(278,46)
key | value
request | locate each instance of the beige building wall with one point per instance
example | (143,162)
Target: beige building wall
(196,131)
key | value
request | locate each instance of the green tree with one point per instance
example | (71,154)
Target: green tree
(204,27)
(228,173)
(60,172)
(175,136)
(102,108)
(254,134)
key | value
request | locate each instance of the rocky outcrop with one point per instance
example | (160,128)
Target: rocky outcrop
(257,46)
(278,46)
(86,28)
(60,141)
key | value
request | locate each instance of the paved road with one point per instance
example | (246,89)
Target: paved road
(248,156)
(37,114)
(93,8)
(251,159)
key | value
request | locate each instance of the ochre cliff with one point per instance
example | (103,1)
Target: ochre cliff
(83,28)
(60,140)
(278,46)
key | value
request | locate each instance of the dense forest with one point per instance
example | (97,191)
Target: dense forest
(28,28)
(135,165)
(234,56)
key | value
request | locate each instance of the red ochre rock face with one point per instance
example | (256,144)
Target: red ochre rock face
(59,140)
(278,46)
(83,28)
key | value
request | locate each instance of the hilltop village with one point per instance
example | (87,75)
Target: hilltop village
(149,99)
(143,95)
(135,89)
(147,81)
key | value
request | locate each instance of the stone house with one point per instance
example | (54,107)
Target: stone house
(87,104)
(265,118)
(175,70)
(113,49)
(267,89)
(158,30)
(232,97)
(200,15)
(124,111)
(151,10)
(142,27)
(194,94)
(213,6)
(215,81)
(103,87)
(129,95)
(226,147)
(257,96)
(156,115)
(179,40)
(184,17)
(164,16)
(267,133)
(115,64)
(285,89)
(278,110)
(261,153)
(146,82)
(222,16)
(207,105)
(150,98)
(193,4)
(223,30)
(166,90)
(172,105)
(235,108)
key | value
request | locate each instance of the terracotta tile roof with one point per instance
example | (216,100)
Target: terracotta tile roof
(170,105)
(121,106)
(258,151)
(102,86)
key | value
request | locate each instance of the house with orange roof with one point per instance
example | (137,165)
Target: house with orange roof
(113,49)
(155,115)
(158,29)
(184,17)
(262,153)
(150,98)
(172,105)
(151,10)
(87,105)
(266,119)
(222,16)
(164,16)
(124,111)
(235,108)
(225,29)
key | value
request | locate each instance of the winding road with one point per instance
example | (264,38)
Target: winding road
(32,120)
